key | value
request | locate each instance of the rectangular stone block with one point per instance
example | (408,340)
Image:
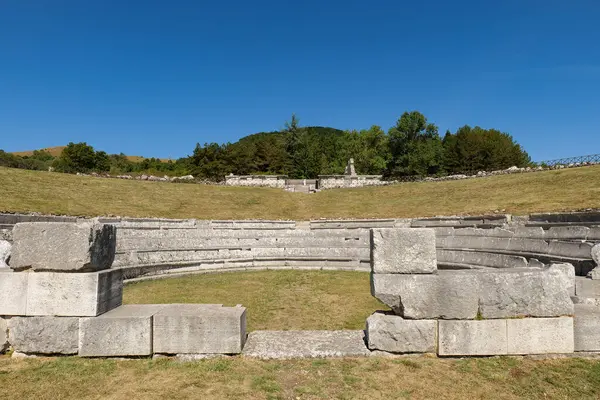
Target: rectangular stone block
(584,287)
(63,246)
(44,335)
(403,251)
(540,335)
(410,296)
(199,329)
(472,338)
(395,334)
(3,335)
(13,292)
(124,331)
(586,325)
(74,295)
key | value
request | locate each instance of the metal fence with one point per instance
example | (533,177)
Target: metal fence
(594,158)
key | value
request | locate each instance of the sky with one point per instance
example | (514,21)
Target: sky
(153,78)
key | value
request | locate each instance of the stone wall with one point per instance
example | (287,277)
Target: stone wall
(274,181)
(347,181)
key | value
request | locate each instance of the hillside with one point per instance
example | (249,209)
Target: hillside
(55,152)
(54,193)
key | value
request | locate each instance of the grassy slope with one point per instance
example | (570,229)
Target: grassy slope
(276,300)
(32,191)
(239,378)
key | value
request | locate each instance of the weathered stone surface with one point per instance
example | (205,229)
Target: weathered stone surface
(585,287)
(394,334)
(568,274)
(503,293)
(44,335)
(73,295)
(124,331)
(199,329)
(540,335)
(595,273)
(535,293)
(305,344)
(472,338)
(5,248)
(403,251)
(480,258)
(3,335)
(586,324)
(410,296)
(13,292)
(63,246)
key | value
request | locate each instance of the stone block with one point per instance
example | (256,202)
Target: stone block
(410,296)
(394,334)
(457,294)
(3,335)
(584,287)
(525,293)
(403,251)
(63,246)
(13,292)
(595,252)
(472,338)
(199,329)
(586,324)
(5,249)
(85,294)
(44,335)
(305,344)
(540,335)
(122,332)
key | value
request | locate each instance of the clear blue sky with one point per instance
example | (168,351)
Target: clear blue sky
(153,77)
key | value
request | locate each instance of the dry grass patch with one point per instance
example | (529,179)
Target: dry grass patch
(276,300)
(54,193)
(239,378)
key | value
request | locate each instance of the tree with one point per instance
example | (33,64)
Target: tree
(415,146)
(76,157)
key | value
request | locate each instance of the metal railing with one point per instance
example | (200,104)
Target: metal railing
(594,158)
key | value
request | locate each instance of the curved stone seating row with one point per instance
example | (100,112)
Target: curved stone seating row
(516,247)
(564,219)
(480,221)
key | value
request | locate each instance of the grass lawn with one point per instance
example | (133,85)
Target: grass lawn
(239,378)
(54,193)
(275,300)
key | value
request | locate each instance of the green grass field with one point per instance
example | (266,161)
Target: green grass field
(54,193)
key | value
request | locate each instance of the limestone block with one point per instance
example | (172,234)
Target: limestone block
(410,296)
(199,329)
(568,275)
(472,338)
(395,334)
(84,294)
(5,249)
(3,335)
(595,252)
(540,335)
(585,287)
(305,344)
(124,331)
(457,294)
(586,325)
(44,335)
(525,292)
(63,246)
(13,292)
(403,251)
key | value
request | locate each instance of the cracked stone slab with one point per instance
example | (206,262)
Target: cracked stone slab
(305,344)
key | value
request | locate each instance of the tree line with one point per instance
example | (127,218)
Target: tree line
(412,147)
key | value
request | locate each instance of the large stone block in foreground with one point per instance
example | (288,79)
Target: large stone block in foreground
(305,344)
(63,246)
(394,334)
(473,338)
(587,327)
(44,335)
(13,292)
(199,329)
(122,332)
(540,335)
(85,294)
(403,251)
(506,293)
